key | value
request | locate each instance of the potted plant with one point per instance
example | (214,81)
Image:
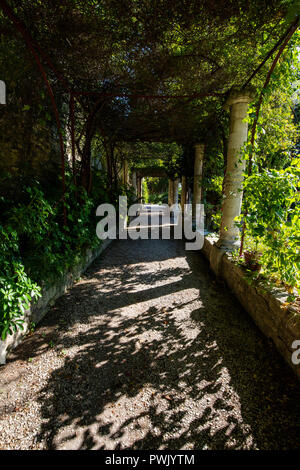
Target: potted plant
(252,260)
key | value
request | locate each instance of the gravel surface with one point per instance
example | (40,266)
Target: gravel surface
(148,351)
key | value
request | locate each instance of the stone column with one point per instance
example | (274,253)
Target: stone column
(134,182)
(2,92)
(139,189)
(176,183)
(233,180)
(171,192)
(183,192)
(125,172)
(198,168)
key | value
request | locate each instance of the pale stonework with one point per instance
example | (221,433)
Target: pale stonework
(233,181)
(198,171)
(183,192)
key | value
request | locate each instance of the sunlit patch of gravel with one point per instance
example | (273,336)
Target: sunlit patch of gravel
(148,351)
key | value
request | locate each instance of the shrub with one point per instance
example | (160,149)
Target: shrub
(17,290)
(36,248)
(273,222)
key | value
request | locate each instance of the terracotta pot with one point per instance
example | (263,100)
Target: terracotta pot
(254,266)
(252,260)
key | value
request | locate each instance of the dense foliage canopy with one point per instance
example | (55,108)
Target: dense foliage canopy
(137,54)
(140,81)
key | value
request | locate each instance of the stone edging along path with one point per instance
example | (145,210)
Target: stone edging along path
(49,294)
(267,306)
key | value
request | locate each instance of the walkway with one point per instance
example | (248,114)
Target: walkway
(147,351)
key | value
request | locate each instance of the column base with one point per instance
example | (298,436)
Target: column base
(219,248)
(215,259)
(228,245)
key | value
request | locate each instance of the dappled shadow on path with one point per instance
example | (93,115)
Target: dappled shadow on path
(158,355)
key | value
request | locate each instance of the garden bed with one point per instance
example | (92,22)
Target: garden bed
(39,309)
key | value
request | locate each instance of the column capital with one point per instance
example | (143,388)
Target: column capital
(239,96)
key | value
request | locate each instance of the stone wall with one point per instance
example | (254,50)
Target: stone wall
(39,309)
(267,306)
(29,139)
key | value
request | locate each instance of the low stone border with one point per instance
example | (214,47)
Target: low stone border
(49,294)
(267,306)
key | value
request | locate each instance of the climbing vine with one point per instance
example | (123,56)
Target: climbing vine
(107,83)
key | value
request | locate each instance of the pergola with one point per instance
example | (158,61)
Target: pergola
(157,71)
(139,173)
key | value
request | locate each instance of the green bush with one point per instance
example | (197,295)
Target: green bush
(36,247)
(273,222)
(17,290)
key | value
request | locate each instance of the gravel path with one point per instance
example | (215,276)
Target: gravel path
(147,351)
